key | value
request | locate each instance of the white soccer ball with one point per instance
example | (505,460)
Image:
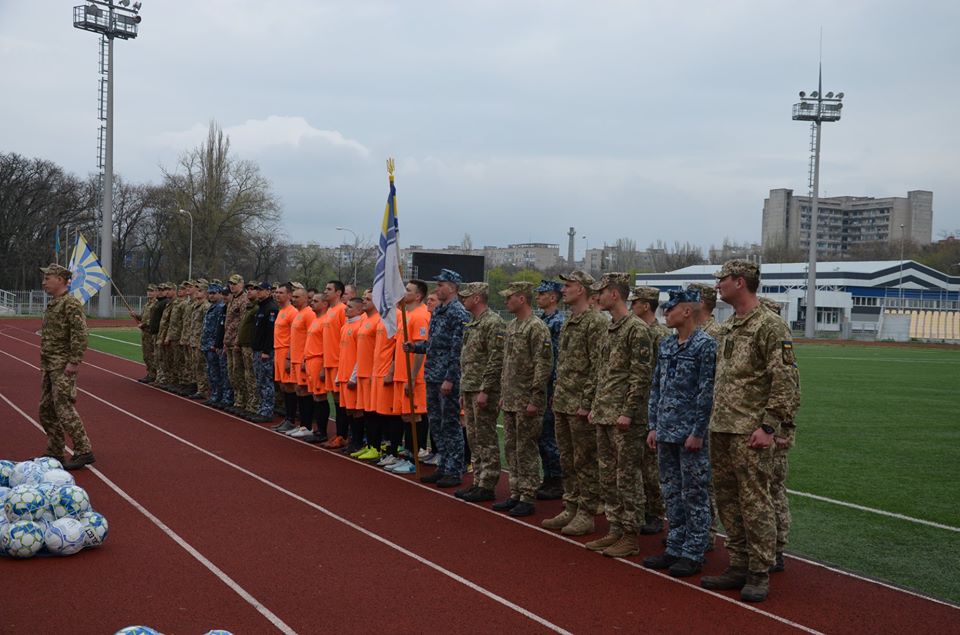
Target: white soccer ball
(56,477)
(137,630)
(218,631)
(95,528)
(70,500)
(24,473)
(6,469)
(24,502)
(48,463)
(64,537)
(22,539)
(3,495)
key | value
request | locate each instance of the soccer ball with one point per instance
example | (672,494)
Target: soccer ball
(22,539)
(57,477)
(70,500)
(64,537)
(48,463)
(137,630)
(6,469)
(218,631)
(24,503)
(24,473)
(95,528)
(3,495)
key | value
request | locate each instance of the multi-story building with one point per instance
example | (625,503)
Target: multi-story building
(846,221)
(523,255)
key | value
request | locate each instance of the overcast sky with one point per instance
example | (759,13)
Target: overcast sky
(510,120)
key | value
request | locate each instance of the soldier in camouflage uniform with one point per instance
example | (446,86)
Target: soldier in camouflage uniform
(442,375)
(481,363)
(245,343)
(619,413)
(175,294)
(577,364)
(146,338)
(212,321)
(63,340)
(236,306)
(159,324)
(174,335)
(527,364)
(643,303)
(548,299)
(198,359)
(681,398)
(754,393)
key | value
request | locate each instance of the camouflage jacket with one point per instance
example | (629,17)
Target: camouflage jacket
(147,315)
(660,332)
(711,327)
(444,340)
(681,394)
(554,322)
(245,330)
(481,358)
(235,309)
(211,322)
(63,336)
(756,381)
(196,326)
(788,429)
(578,361)
(626,366)
(527,364)
(164,327)
(177,313)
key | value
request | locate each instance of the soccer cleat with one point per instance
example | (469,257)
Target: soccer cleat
(757,587)
(299,432)
(79,460)
(433,459)
(284,426)
(581,525)
(405,468)
(357,452)
(401,464)
(337,443)
(731,579)
(627,545)
(505,505)
(388,460)
(424,453)
(662,561)
(372,454)
(684,567)
(613,535)
(312,438)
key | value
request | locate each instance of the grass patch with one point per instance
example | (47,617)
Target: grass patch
(123,342)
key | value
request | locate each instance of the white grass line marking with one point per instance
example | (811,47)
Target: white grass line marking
(882,360)
(862,508)
(113,339)
(410,554)
(186,546)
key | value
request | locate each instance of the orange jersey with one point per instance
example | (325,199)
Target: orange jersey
(348,350)
(281,328)
(333,321)
(298,333)
(418,324)
(314,345)
(366,345)
(385,349)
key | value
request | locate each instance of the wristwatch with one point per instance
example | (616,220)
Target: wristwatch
(767,429)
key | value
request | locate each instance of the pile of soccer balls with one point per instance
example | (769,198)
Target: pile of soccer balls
(41,508)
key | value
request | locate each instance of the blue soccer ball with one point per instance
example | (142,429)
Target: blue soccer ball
(64,537)
(6,469)
(70,500)
(25,473)
(48,463)
(4,490)
(22,539)
(95,528)
(24,502)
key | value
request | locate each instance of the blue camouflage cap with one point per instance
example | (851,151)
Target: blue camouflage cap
(678,297)
(549,285)
(449,275)
(266,286)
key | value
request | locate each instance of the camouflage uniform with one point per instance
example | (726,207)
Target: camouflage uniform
(146,338)
(481,362)
(527,364)
(681,397)
(174,334)
(208,345)
(63,340)
(236,307)
(577,365)
(199,359)
(649,463)
(244,341)
(165,361)
(549,451)
(754,386)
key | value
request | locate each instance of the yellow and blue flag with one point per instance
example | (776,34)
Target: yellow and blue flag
(388,287)
(88,275)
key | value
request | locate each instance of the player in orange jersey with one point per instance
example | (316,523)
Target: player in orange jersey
(298,340)
(333,321)
(347,373)
(366,343)
(281,356)
(312,370)
(418,324)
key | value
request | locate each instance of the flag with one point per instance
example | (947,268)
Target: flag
(56,245)
(388,287)
(88,275)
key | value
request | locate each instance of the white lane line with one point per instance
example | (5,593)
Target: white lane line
(883,360)
(919,521)
(186,546)
(428,563)
(113,339)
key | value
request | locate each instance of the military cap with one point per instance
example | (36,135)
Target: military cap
(236,279)
(251,285)
(521,286)
(448,275)
(769,303)
(582,277)
(202,281)
(152,287)
(186,283)
(57,270)
(549,285)
(297,285)
(214,288)
(707,292)
(679,296)
(203,287)
(647,294)
(170,285)
(265,285)
(217,282)
(738,268)
(607,279)
(473,288)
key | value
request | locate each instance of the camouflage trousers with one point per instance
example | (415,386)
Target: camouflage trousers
(235,375)
(263,369)
(249,381)
(778,490)
(621,478)
(443,413)
(214,377)
(186,365)
(58,413)
(520,435)
(149,358)
(200,370)
(653,498)
(685,482)
(741,482)
(481,424)
(549,449)
(161,354)
(577,440)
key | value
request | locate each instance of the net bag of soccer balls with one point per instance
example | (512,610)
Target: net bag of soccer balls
(43,510)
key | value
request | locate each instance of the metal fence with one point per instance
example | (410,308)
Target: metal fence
(35,302)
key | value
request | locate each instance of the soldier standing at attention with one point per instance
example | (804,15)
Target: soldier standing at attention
(208,345)
(548,300)
(161,348)
(577,364)
(619,413)
(527,364)
(481,363)
(156,314)
(644,302)
(262,347)
(442,375)
(236,306)
(681,398)
(172,340)
(248,408)
(146,339)
(63,340)
(754,393)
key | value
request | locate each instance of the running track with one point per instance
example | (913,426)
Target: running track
(219,523)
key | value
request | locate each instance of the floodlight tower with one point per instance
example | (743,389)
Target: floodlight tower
(111,19)
(817,108)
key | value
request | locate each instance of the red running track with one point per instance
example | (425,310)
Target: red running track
(322,542)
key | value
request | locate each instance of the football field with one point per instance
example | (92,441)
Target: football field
(875,474)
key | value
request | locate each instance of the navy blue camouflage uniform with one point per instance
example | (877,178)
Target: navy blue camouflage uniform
(442,348)
(681,399)
(549,450)
(262,347)
(212,323)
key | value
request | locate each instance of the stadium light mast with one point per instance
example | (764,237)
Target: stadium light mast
(817,108)
(190,259)
(111,20)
